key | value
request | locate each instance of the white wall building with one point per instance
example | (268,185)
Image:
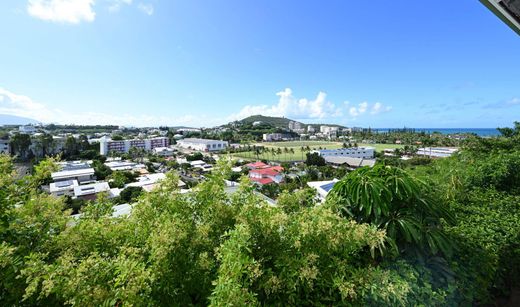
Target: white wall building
(124,166)
(203,144)
(353,152)
(84,175)
(62,188)
(90,191)
(164,151)
(123,146)
(270,137)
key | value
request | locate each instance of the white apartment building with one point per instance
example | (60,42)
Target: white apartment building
(203,144)
(4,147)
(353,152)
(295,125)
(123,146)
(270,137)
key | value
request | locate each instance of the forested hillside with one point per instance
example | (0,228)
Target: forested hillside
(442,234)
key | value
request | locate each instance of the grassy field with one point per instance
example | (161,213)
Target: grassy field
(296,146)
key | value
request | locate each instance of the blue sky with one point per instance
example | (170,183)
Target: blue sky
(202,63)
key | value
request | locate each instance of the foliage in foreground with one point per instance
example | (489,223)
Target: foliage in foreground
(202,248)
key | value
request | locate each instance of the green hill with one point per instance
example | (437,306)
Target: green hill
(278,122)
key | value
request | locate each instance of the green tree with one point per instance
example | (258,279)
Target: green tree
(20,144)
(395,201)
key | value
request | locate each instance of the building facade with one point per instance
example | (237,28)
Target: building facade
(354,152)
(123,146)
(203,144)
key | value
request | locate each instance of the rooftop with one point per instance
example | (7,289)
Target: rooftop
(93,188)
(72,173)
(200,141)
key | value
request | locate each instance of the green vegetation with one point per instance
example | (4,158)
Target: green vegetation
(442,234)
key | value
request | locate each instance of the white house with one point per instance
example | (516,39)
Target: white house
(202,144)
(353,152)
(123,146)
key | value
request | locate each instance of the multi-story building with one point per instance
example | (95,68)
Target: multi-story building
(353,152)
(310,129)
(203,144)
(4,147)
(123,146)
(270,137)
(295,125)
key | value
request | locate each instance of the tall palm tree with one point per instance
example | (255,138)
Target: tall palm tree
(285,151)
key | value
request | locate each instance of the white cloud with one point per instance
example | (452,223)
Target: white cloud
(20,105)
(146,8)
(360,109)
(289,106)
(62,11)
(513,102)
(115,5)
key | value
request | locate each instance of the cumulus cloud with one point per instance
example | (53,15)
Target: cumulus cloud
(146,8)
(360,109)
(21,105)
(62,11)
(290,106)
(379,108)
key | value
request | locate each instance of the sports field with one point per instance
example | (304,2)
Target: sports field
(292,150)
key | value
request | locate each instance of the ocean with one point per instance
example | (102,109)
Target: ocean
(478,131)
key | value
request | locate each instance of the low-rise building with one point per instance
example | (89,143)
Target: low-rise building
(63,188)
(90,191)
(82,176)
(350,162)
(267,175)
(353,152)
(124,166)
(164,151)
(436,152)
(204,145)
(322,187)
(123,146)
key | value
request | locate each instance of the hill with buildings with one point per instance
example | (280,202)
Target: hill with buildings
(279,122)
